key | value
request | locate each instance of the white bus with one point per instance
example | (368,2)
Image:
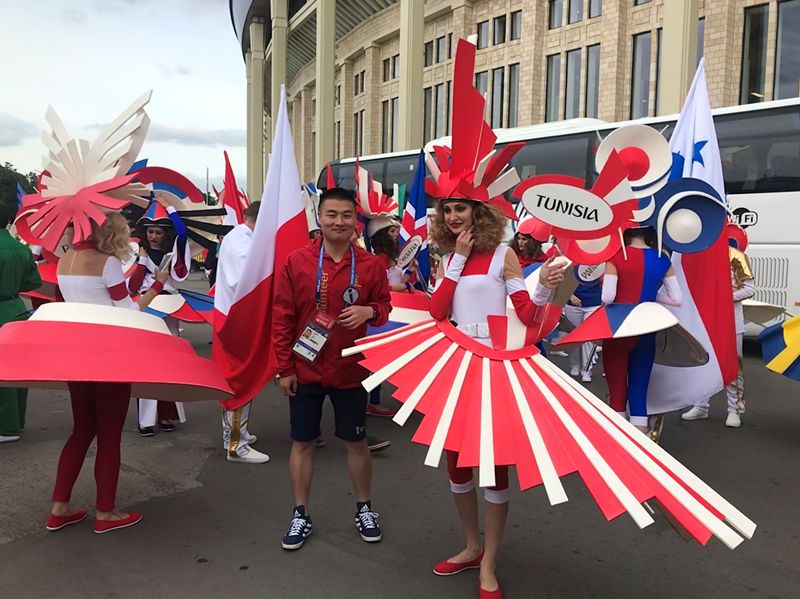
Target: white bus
(760,147)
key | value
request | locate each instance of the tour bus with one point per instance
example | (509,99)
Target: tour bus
(760,148)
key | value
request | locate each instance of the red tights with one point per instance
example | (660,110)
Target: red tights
(98,410)
(462,476)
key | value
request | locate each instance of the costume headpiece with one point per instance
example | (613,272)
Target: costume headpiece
(533,227)
(377,207)
(311,196)
(156,215)
(737,236)
(471,168)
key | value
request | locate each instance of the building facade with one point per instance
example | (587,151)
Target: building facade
(537,61)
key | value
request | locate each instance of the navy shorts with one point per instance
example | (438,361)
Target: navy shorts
(349,412)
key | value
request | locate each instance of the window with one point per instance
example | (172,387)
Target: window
(499,29)
(338,95)
(337,140)
(362,82)
(385,124)
(556,13)
(513,94)
(787,62)
(427,107)
(592,81)
(355,84)
(358,128)
(441,49)
(640,78)
(483,34)
(563,155)
(428,54)
(754,55)
(516,25)
(701,36)
(658,65)
(440,114)
(595,8)
(640,2)
(449,45)
(498,84)
(572,95)
(482,82)
(395,109)
(553,78)
(387,69)
(575,11)
(395,66)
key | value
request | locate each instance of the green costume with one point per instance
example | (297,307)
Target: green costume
(18,272)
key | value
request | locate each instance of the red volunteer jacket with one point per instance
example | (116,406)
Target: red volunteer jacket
(294,307)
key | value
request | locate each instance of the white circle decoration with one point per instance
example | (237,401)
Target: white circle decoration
(684,225)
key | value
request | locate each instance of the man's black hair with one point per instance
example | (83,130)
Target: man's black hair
(337,193)
(7,212)
(251,212)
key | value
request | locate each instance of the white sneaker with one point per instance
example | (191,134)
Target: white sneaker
(574,372)
(251,456)
(694,414)
(586,377)
(559,353)
(733,420)
(4,439)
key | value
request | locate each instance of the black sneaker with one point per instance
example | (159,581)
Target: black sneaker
(147,431)
(167,427)
(299,529)
(367,522)
(376,444)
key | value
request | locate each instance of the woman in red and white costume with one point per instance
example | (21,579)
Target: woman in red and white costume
(91,273)
(474,280)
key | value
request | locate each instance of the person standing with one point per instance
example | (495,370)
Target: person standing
(233,251)
(584,301)
(325,296)
(18,272)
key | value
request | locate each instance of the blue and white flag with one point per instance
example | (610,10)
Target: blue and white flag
(415,221)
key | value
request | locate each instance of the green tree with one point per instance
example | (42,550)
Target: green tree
(8,174)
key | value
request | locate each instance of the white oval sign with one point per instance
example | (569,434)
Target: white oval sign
(409,251)
(567,207)
(590,272)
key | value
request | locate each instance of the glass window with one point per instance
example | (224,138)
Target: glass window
(440,111)
(513,94)
(387,69)
(658,66)
(397,170)
(355,84)
(483,34)
(553,78)
(482,82)
(448,103)
(572,96)
(337,140)
(754,54)
(595,8)
(499,29)
(385,124)
(556,13)
(441,49)
(701,36)
(560,156)
(575,11)
(592,81)
(338,95)
(449,45)
(358,130)
(787,63)
(427,107)
(395,66)
(395,106)
(361,81)
(428,53)
(498,83)
(640,2)
(516,25)
(640,78)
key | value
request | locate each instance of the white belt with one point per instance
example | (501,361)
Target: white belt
(479,331)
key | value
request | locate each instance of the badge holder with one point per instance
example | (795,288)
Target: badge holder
(314,336)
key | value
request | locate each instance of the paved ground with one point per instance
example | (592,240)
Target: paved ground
(212,529)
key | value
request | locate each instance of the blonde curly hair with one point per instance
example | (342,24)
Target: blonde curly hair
(488,228)
(113,236)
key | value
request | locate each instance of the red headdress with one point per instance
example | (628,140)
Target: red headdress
(471,169)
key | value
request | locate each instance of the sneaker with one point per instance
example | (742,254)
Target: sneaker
(250,456)
(586,377)
(561,354)
(299,529)
(733,420)
(694,414)
(147,431)
(367,522)
(167,426)
(376,444)
(8,438)
(379,410)
(574,371)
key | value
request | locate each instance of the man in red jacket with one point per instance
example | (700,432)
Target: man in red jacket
(324,297)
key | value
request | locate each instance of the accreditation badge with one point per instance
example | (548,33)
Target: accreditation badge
(314,336)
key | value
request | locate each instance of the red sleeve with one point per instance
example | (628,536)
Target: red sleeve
(442,299)
(379,297)
(137,278)
(526,310)
(284,321)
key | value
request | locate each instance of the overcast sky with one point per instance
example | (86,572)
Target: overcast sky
(90,59)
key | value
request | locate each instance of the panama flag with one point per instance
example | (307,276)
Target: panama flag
(243,322)
(707,307)
(415,220)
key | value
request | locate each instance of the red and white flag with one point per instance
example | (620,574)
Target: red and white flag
(243,322)
(234,200)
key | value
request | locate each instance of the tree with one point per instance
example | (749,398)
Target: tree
(8,174)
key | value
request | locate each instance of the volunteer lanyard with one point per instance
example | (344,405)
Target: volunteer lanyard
(318,295)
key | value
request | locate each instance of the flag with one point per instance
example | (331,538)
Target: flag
(415,220)
(707,307)
(243,323)
(233,200)
(20,193)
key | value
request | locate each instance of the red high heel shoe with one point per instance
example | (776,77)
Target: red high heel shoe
(446,568)
(104,526)
(58,522)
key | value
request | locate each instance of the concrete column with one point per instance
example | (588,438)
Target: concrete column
(326,52)
(280,28)
(615,73)
(412,28)
(255,116)
(372,112)
(679,40)
(305,165)
(347,73)
(248,64)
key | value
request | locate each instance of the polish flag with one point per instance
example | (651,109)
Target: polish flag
(243,322)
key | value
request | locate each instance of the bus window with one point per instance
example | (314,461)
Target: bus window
(343,174)
(562,156)
(398,171)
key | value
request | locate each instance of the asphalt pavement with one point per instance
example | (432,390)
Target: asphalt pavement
(212,529)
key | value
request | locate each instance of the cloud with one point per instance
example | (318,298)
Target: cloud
(73,14)
(180,70)
(185,136)
(13,130)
